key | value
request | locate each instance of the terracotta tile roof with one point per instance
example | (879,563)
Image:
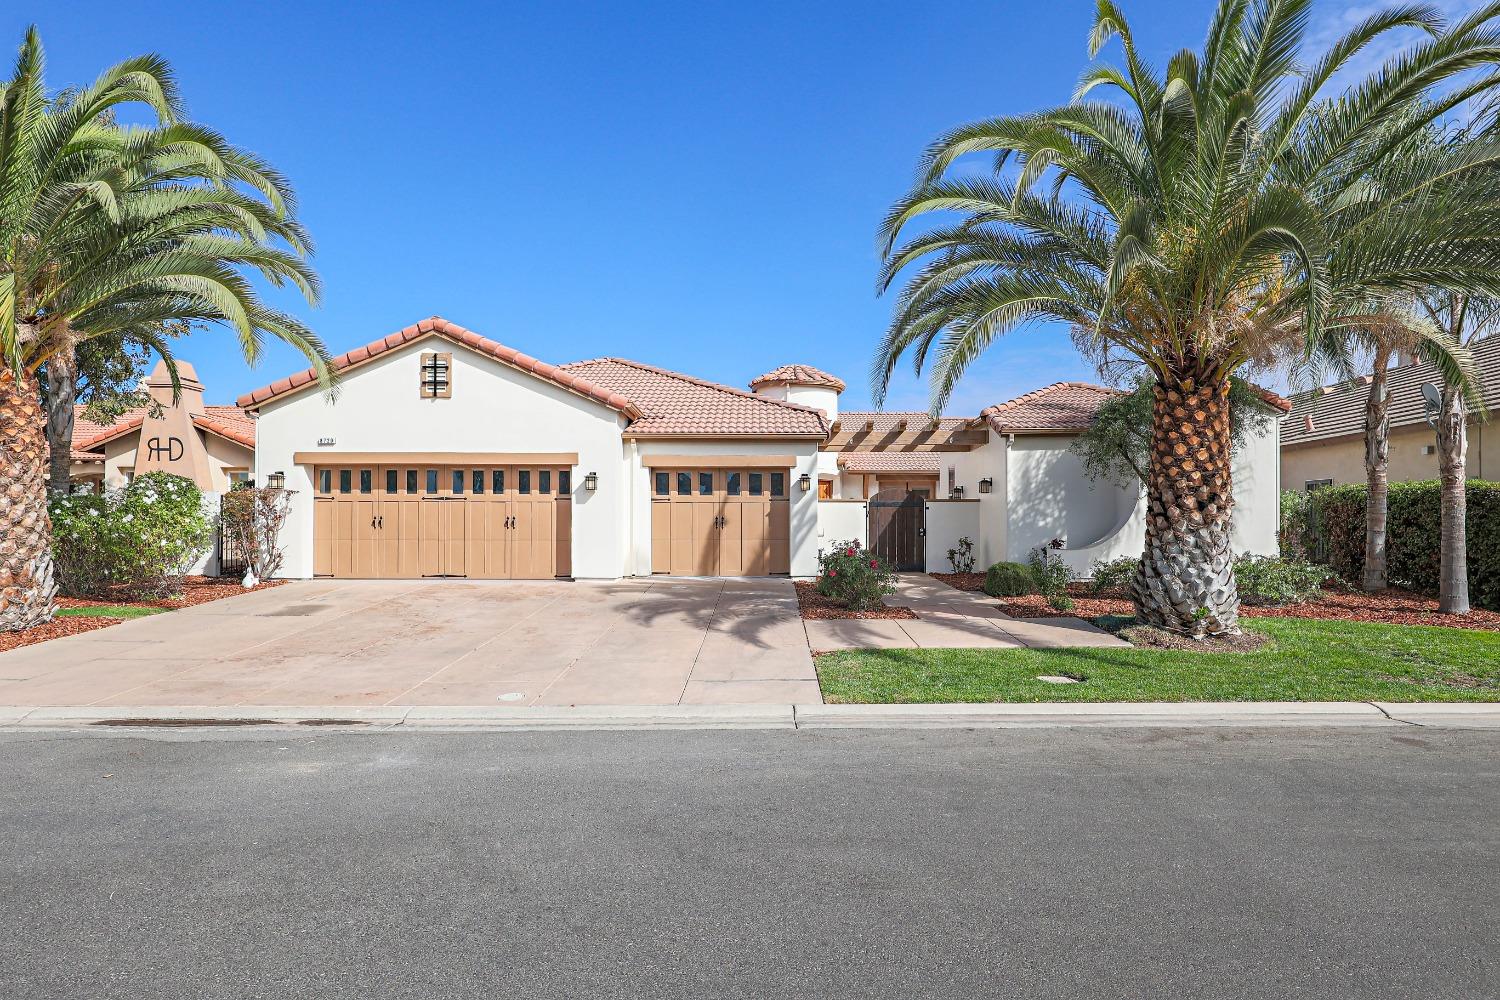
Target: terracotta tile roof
(886,421)
(799,375)
(1061,407)
(87,434)
(671,403)
(230,422)
(86,456)
(1334,411)
(925,462)
(437,326)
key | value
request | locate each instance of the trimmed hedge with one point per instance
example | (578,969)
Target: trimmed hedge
(1413,535)
(1009,579)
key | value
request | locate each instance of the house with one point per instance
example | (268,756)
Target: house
(445,453)
(1323,435)
(212,445)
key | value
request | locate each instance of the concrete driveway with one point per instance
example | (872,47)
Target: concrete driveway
(439,642)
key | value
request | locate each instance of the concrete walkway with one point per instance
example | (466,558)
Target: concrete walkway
(948,618)
(348,644)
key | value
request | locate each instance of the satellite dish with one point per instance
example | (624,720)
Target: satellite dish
(1432,402)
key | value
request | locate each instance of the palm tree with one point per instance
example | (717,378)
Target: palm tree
(107,230)
(1212,216)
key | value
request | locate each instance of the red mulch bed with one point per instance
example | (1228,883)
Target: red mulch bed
(55,629)
(814,605)
(195,590)
(1389,607)
(973,582)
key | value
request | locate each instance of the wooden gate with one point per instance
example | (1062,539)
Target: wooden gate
(898,529)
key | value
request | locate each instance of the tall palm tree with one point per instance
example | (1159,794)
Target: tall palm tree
(1211,216)
(104,230)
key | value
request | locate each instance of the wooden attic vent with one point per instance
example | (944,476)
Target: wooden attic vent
(437,375)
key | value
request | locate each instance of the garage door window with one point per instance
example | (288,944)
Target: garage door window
(663,483)
(705,484)
(325,480)
(458,482)
(431,480)
(757,484)
(523,480)
(497,481)
(346,481)
(564,482)
(684,484)
(543,481)
(732,484)
(778,484)
(478,480)
(411,480)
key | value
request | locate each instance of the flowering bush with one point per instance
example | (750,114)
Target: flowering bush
(138,541)
(855,576)
(251,520)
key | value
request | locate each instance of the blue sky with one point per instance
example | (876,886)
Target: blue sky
(695,185)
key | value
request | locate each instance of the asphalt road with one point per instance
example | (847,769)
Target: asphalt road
(1028,864)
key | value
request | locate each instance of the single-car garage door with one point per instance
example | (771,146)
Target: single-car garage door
(482,522)
(720,522)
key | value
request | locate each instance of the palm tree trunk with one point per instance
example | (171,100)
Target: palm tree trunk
(1452,443)
(1377,460)
(1186,579)
(27,587)
(62,393)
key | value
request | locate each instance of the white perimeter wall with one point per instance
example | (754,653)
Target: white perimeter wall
(494,408)
(1257,492)
(803,517)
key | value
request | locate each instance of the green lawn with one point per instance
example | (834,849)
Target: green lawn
(110,611)
(1306,661)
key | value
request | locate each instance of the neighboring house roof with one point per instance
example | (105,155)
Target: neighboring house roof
(1334,411)
(671,403)
(437,326)
(799,375)
(1060,408)
(914,462)
(85,456)
(229,422)
(887,421)
(128,422)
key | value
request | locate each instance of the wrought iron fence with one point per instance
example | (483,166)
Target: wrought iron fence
(230,557)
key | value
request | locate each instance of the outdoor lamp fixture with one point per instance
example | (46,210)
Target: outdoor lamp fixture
(276,481)
(805,481)
(986,484)
(591,481)
(957,492)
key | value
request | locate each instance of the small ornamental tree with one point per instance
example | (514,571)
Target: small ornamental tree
(251,519)
(850,573)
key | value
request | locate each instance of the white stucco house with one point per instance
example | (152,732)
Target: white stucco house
(445,453)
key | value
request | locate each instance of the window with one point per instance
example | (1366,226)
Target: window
(544,481)
(431,480)
(1317,484)
(366,480)
(239,477)
(732,483)
(685,484)
(705,484)
(478,480)
(523,480)
(437,371)
(497,481)
(778,484)
(325,480)
(564,482)
(663,483)
(411,480)
(757,484)
(392,480)
(346,481)
(458,481)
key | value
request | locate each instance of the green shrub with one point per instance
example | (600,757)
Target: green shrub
(1115,574)
(1272,581)
(1413,535)
(1051,575)
(1008,579)
(855,576)
(1293,533)
(135,542)
(961,556)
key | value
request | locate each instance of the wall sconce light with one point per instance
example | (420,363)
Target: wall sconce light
(591,481)
(805,481)
(276,481)
(957,493)
(986,484)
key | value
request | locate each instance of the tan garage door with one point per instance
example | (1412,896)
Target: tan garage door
(482,522)
(720,522)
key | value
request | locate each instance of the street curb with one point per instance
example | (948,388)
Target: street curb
(1033,715)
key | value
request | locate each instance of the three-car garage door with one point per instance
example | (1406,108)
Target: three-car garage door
(406,521)
(720,522)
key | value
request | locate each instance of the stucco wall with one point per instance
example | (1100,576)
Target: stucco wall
(840,521)
(947,521)
(1343,459)
(803,517)
(493,409)
(1050,496)
(1257,493)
